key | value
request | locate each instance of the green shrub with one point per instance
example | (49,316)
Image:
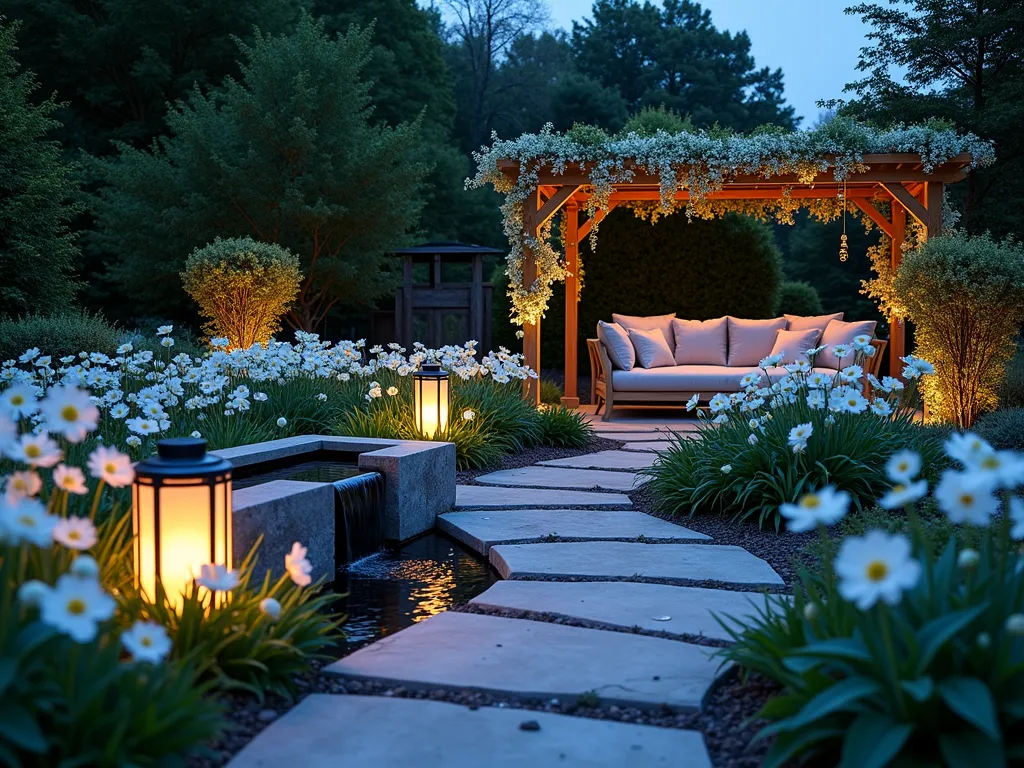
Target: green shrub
(57,335)
(749,465)
(929,673)
(564,427)
(798,298)
(649,120)
(965,296)
(550,392)
(1003,429)
(242,287)
(674,265)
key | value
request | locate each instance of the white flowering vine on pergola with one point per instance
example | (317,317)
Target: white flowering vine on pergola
(581,176)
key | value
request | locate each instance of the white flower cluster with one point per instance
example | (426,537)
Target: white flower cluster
(816,390)
(878,565)
(697,161)
(144,390)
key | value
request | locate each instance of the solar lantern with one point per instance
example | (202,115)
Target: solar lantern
(432,396)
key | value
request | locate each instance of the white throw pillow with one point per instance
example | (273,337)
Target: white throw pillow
(807,322)
(616,342)
(662,323)
(838,332)
(793,344)
(750,341)
(651,348)
(701,342)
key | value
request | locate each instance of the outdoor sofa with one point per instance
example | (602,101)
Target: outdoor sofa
(662,359)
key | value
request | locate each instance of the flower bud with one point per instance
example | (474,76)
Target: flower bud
(811,611)
(984,640)
(1015,624)
(31,593)
(84,567)
(282,422)
(270,608)
(968,559)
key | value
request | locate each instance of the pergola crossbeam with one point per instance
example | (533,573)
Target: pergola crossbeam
(908,201)
(554,203)
(876,216)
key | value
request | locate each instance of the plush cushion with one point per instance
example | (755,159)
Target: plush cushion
(616,342)
(701,342)
(839,332)
(661,323)
(651,348)
(705,379)
(806,323)
(794,343)
(752,340)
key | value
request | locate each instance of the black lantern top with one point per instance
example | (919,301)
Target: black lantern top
(430,371)
(182,457)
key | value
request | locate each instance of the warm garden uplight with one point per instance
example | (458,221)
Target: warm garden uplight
(182,515)
(430,384)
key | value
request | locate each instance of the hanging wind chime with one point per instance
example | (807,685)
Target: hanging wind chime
(844,250)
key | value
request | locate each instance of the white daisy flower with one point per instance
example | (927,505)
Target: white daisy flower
(147,641)
(903,494)
(966,497)
(217,578)
(298,566)
(141,426)
(70,479)
(903,466)
(75,606)
(876,566)
(69,411)
(967,448)
(719,403)
(35,450)
(692,402)
(1017,518)
(163,330)
(22,484)
(798,436)
(75,533)
(26,520)
(824,507)
(19,401)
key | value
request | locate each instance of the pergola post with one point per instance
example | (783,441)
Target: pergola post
(531,331)
(571,217)
(897,326)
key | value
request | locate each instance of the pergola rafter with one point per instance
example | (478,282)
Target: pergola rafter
(900,179)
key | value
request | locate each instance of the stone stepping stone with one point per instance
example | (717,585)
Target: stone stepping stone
(624,560)
(326,731)
(551,477)
(536,659)
(482,529)
(625,605)
(651,447)
(603,460)
(628,437)
(476,496)
(636,425)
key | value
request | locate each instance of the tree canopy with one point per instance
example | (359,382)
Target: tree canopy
(288,155)
(38,196)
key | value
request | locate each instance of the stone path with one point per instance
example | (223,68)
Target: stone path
(330,731)
(636,626)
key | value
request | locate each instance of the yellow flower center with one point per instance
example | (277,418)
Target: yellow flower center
(110,468)
(877,570)
(74,535)
(27,520)
(19,484)
(851,402)
(69,413)
(76,607)
(810,501)
(145,641)
(17,400)
(903,466)
(68,482)
(967,499)
(990,462)
(32,451)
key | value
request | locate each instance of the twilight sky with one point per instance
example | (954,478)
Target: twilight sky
(814,42)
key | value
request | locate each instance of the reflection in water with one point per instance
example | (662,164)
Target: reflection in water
(395,589)
(307,471)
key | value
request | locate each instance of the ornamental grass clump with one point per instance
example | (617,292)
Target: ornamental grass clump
(965,296)
(93,671)
(791,428)
(243,287)
(893,651)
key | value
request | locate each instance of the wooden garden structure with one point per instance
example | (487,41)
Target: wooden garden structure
(900,179)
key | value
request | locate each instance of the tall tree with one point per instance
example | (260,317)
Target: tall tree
(38,196)
(674,56)
(481,32)
(963,61)
(287,155)
(118,63)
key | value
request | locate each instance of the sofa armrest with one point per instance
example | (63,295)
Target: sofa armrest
(600,363)
(874,363)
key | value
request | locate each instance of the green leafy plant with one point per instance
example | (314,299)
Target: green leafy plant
(903,651)
(564,427)
(243,287)
(550,392)
(61,333)
(965,296)
(798,298)
(1003,429)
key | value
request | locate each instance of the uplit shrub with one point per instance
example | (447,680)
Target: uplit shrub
(893,653)
(243,287)
(965,296)
(798,298)
(765,445)
(58,335)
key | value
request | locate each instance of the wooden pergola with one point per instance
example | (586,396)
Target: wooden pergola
(900,179)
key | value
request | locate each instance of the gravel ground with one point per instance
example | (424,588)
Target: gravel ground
(726,721)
